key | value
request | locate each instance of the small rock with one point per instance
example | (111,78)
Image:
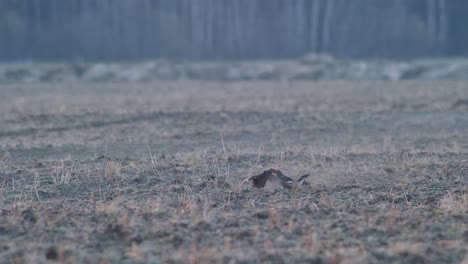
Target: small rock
(29,215)
(262,214)
(52,253)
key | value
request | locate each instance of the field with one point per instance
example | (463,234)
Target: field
(152,172)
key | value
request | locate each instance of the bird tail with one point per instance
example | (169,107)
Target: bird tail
(302,179)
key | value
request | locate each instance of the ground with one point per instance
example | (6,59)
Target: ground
(152,172)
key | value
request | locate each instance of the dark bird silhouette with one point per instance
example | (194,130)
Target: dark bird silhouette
(276,177)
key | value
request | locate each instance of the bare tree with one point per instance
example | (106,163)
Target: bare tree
(232,29)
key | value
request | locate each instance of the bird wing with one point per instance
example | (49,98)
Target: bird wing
(259,181)
(302,178)
(285,181)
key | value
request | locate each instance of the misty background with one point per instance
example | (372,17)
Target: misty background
(146,40)
(123,30)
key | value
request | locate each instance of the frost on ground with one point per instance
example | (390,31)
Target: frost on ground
(310,67)
(152,172)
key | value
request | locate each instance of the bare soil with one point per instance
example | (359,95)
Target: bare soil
(150,173)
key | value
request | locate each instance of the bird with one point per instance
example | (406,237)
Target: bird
(276,177)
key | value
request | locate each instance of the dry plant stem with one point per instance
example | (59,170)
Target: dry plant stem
(36,183)
(224,147)
(153,162)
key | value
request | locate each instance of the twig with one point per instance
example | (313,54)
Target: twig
(35,187)
(224,147)
(242,183)
(151,157)
(105,161)
(227,171)
(258,155)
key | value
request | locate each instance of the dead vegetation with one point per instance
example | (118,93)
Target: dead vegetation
(386,185)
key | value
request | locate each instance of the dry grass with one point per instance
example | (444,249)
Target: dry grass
(456,204)
(159,181)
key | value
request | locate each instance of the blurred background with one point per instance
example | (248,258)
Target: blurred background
(89,31)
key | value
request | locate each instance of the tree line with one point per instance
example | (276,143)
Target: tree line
(122,30)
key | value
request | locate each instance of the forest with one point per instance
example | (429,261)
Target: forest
(122,30)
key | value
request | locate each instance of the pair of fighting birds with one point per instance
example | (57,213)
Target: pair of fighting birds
(277,178)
